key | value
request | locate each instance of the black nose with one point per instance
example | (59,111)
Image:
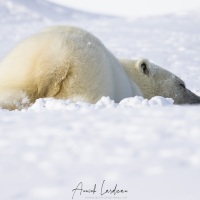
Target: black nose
(193,98)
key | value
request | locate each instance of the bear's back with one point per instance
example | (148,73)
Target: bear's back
(64,62)
(54,45)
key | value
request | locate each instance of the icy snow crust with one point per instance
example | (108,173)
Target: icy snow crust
(149,147)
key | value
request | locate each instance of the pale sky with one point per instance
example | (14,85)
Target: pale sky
(133,7)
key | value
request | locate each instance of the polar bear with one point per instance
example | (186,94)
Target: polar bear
(68,62)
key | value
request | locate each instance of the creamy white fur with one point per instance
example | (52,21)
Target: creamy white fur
(63,62)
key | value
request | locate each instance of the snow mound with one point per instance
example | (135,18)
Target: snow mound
(140,101)
(105,102)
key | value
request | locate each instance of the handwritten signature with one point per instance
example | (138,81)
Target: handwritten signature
(80,189)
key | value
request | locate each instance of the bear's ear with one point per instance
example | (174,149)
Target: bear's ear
(144,69)
(143,65)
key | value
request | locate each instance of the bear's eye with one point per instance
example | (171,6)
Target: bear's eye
(182,85)
(145,69)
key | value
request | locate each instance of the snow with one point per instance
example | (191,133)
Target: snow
(133,8)
(149,147)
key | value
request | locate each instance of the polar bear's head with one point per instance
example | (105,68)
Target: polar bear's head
(156,81)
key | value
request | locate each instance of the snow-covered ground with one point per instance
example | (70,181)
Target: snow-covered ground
(149,147)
